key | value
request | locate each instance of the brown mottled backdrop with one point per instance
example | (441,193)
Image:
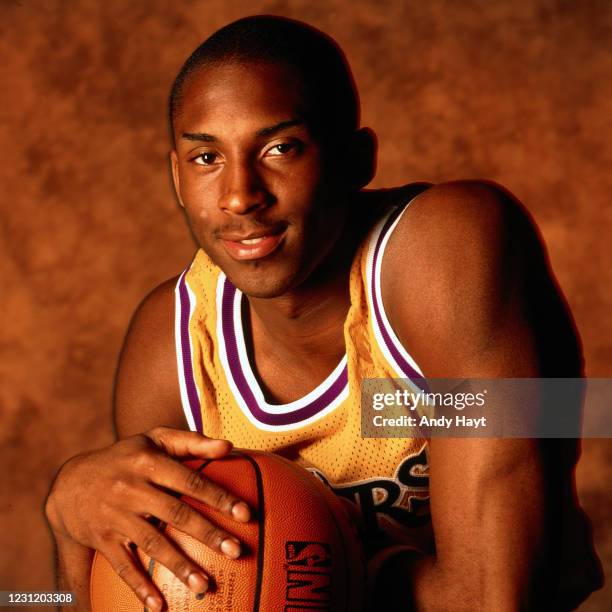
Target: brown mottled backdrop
(515,91)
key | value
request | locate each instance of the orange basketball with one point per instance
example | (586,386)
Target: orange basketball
(302,550)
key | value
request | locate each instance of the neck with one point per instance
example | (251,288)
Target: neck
(303,322)
(309,320)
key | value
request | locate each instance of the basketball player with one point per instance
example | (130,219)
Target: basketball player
(303,286)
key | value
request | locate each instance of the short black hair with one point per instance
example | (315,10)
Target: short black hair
(319,61)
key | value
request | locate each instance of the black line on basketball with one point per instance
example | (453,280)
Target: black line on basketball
(261,528)
(203,466)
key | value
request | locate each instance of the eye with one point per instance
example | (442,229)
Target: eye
(205,159)
(282,148)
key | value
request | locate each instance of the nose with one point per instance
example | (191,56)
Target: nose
(243,189)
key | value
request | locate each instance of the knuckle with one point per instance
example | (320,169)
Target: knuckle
(118,487)
(221,500)
(144,460)
(123,569)
(151,542)
(194,482)
(212,536)
(181,569)
(179,514)
(106,511)
(105,537)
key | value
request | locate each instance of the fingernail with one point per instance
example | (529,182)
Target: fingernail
(198,583)
(231,548)
(241,512)
(153,603)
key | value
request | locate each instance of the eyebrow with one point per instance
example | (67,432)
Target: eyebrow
(267,131)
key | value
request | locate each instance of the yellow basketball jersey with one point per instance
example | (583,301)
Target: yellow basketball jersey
(386,477)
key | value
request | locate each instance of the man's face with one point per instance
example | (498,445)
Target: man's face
(255,182)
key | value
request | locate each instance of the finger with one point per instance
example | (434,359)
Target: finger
(183,517)
(129,569)
(180,443)
(168,473)
(154,544)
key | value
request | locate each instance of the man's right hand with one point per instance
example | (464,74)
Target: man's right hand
(103,499)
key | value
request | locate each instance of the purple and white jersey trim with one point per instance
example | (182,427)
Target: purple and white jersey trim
(403,364)
(320,402)
(184,306)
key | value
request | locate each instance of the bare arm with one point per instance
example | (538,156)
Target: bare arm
(107,510)
(147,393)
(467,249)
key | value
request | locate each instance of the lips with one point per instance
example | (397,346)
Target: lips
(254,245)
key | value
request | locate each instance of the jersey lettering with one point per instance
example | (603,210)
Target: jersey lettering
(403,499)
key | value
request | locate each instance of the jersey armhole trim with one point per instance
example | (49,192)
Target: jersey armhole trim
(185,300)
(398,357)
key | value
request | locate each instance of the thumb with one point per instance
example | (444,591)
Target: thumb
(180,443)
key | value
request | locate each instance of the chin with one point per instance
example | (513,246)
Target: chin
(262,294)
(265,278)
(262,287)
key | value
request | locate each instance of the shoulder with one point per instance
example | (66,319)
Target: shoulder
(455,233)
(150,333)
(461,209)
(455,280)
(155,313)
(146,386)
(464,230)
(469,211)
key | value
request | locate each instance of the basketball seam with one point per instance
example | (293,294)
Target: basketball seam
(261,528)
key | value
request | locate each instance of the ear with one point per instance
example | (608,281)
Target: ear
(175,176)
(362,159)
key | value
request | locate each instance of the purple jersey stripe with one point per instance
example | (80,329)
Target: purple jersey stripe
(231,348)
(406,368)
(192,393)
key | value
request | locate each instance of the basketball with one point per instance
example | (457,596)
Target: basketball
(301,549)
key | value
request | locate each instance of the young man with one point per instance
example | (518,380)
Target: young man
(305,285)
